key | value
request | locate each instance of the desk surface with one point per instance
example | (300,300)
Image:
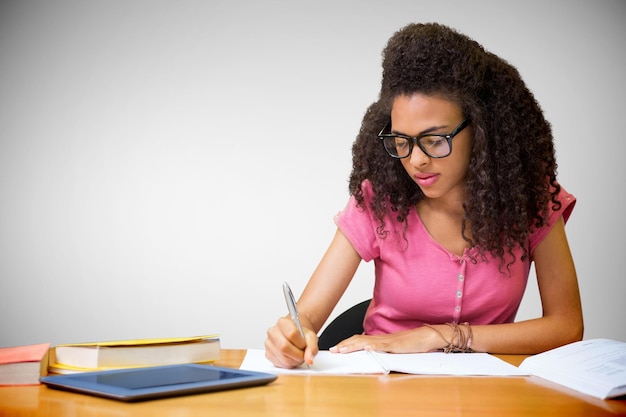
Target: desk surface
(328,396)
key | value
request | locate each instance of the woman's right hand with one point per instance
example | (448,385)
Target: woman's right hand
(284,346)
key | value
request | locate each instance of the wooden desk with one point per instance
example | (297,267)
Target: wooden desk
(327,396)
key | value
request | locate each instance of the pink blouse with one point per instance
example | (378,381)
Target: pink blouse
(421,282)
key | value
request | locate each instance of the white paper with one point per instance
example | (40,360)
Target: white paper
(362,362)
(596,367)
(439,363)
(325,363)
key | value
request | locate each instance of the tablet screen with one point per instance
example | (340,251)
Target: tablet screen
(157,382)
(150,378)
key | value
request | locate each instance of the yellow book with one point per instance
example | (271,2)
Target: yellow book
(80,357)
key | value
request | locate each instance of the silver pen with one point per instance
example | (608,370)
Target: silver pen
(293,311)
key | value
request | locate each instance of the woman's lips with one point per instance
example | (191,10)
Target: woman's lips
(426,180)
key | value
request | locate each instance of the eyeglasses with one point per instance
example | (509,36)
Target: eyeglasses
(434,145)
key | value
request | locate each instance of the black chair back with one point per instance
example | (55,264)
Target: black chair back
(347,324)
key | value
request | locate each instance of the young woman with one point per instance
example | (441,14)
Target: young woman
(453,195)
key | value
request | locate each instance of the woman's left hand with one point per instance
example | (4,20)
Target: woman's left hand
(418,340)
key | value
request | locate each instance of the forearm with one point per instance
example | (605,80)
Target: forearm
(328,282)
(525,337)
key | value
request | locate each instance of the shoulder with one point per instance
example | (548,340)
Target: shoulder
(367,188)
(564,207)
(354,209)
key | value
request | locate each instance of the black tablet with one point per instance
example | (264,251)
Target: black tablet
(157,382)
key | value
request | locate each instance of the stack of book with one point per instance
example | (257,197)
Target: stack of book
(96,356)
(24,365)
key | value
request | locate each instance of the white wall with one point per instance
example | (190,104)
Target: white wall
(165,166)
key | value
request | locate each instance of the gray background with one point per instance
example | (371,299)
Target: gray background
(165,166)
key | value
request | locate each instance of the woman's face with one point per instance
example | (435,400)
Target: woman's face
(417,114)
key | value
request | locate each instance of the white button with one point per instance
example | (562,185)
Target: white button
(461,277)
(459,293)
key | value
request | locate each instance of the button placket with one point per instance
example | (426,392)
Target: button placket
(460,287)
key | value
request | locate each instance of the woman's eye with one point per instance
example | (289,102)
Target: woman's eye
(433,142)
(401,143)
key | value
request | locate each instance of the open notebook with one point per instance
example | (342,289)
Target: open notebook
(363,362)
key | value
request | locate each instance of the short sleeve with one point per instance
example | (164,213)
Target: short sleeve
(568,201)
(358,224)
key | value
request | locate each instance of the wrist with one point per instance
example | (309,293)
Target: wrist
(436,336)
(451,337)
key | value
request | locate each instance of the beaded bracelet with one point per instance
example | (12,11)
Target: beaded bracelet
(460,343)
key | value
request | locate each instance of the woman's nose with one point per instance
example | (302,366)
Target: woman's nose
(418,157)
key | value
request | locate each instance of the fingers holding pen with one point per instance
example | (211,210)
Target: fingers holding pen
(311,346)
(307,346)
(280,349)
(286,348)
(291,332)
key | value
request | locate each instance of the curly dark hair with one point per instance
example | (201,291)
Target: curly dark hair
(511,178)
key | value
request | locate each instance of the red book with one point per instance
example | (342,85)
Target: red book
(23,365)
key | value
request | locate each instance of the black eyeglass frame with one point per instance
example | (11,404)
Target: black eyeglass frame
(416,140)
